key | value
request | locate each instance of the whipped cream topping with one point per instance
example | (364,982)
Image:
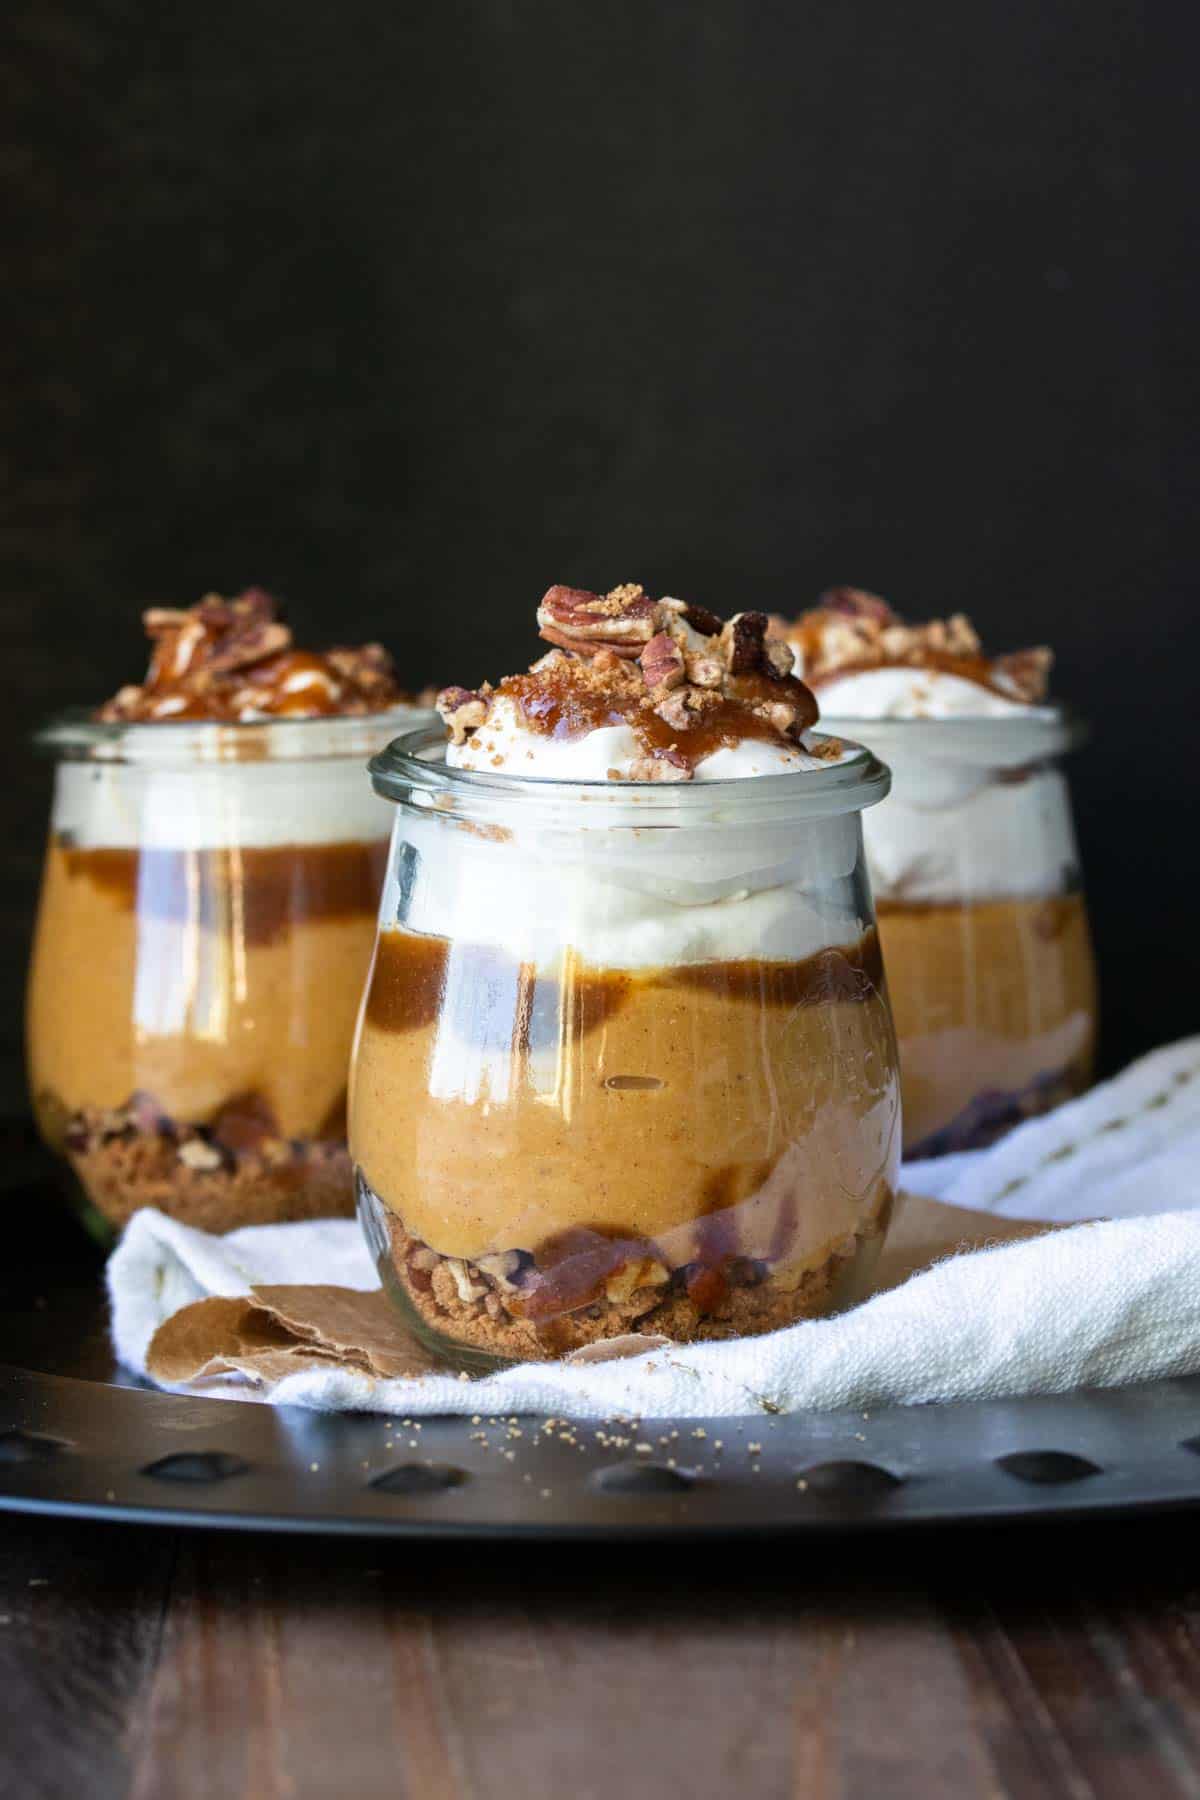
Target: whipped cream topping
(630,899)
(965,820)
(258,804)
(904,693)
(243,805)
(505,744)
(640,690)
(943,838)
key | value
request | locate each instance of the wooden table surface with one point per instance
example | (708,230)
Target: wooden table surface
(155,1664)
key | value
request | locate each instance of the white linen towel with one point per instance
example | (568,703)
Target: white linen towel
(1110,1303)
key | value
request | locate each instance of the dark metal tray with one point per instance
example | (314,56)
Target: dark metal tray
(81,1437)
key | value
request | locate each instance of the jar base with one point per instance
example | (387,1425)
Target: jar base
(427,1287)
(992,1115)
(373,1218)
(124,1159)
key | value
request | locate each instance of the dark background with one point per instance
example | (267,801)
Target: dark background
(408,310)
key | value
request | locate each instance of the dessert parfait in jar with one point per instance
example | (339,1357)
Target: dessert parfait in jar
(973,862)
(625,1062)
(206,921)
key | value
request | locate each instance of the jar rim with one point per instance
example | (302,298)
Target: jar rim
(412,771)
(74,735)
(1011,738)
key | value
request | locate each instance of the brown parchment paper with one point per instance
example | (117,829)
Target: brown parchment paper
(273,1331)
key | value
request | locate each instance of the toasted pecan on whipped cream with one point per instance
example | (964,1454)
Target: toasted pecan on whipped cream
(850,631)
(234,660)
(681,685)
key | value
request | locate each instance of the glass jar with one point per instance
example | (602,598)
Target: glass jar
(206,920)
(625,1060)
(975,872)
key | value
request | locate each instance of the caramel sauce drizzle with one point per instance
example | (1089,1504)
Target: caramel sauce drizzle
(564,703)
(272,890)
(935,662)
(490,995)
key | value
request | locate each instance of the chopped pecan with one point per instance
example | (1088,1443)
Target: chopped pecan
(623,621)
(679,709)
(664,765)
(198,1155)
(503,1267)
(706,1287)
(703,669)
(701,620)
(253,641)
(177,651)
(741,642)
(463,709)
(245,1124)
(125,703)
(638,1272)
(460,1274)
(157,620)
(553,659)
(662,662)
(145,1114)
(784,715)
(252,605)
(945,637)
(960,637)
(1026,673)
(367,667)
(857,603)
(827,749)
(779,656)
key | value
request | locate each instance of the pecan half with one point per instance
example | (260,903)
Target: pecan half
(623,621)
(662,662)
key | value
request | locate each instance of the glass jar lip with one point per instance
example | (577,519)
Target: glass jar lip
(1011,738)
(73,735)
(412,771)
